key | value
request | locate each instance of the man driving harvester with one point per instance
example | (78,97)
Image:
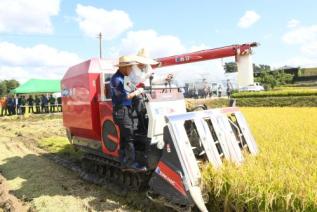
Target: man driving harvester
(122,94)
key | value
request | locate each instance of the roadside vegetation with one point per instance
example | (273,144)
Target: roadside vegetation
(283,101)
(283,96)
(281,91)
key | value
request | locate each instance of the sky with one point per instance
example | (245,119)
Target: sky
(42,38)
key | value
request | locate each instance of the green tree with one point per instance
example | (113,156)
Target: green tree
(266,79)
(270,79)
(3,88)
(265,75)
(261,67)
(283,78)
(231,67)
(12,84)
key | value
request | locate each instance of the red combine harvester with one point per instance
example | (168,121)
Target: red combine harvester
(176,141)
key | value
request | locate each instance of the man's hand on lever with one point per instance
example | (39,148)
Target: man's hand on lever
(137,92)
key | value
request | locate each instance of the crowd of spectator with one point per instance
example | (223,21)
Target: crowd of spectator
(17,105)
(208,91)
(205,92)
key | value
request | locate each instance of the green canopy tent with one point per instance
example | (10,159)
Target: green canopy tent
(38,86)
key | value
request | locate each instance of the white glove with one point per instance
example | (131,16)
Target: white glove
(139,91)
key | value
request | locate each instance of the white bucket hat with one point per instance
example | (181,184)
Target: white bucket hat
(142,57)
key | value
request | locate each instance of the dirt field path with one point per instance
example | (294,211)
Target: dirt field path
(41,184)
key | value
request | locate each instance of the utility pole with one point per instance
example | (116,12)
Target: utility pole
(100,44)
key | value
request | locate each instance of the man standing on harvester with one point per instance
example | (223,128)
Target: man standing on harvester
(122,106)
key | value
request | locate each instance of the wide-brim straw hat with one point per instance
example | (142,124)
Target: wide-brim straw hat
(141,58)
(127,61)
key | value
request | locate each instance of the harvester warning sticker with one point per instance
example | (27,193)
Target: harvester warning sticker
(168,148)
(157,170)
(182,59)
(171,177)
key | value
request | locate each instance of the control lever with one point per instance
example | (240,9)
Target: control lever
(151,79)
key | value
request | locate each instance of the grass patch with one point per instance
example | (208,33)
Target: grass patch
(282,101)
(210,103)
(286,91)
(59,145)
(283,176)
(31,117)
(303,84)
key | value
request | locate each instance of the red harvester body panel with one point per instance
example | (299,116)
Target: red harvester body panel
(80,111)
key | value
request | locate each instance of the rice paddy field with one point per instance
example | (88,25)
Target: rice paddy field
(283,177)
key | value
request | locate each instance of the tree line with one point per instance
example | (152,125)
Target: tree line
(264,74)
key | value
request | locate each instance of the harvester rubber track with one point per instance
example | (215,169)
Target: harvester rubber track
(108,171)
(90,174)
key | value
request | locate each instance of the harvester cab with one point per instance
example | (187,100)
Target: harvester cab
(176,142)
